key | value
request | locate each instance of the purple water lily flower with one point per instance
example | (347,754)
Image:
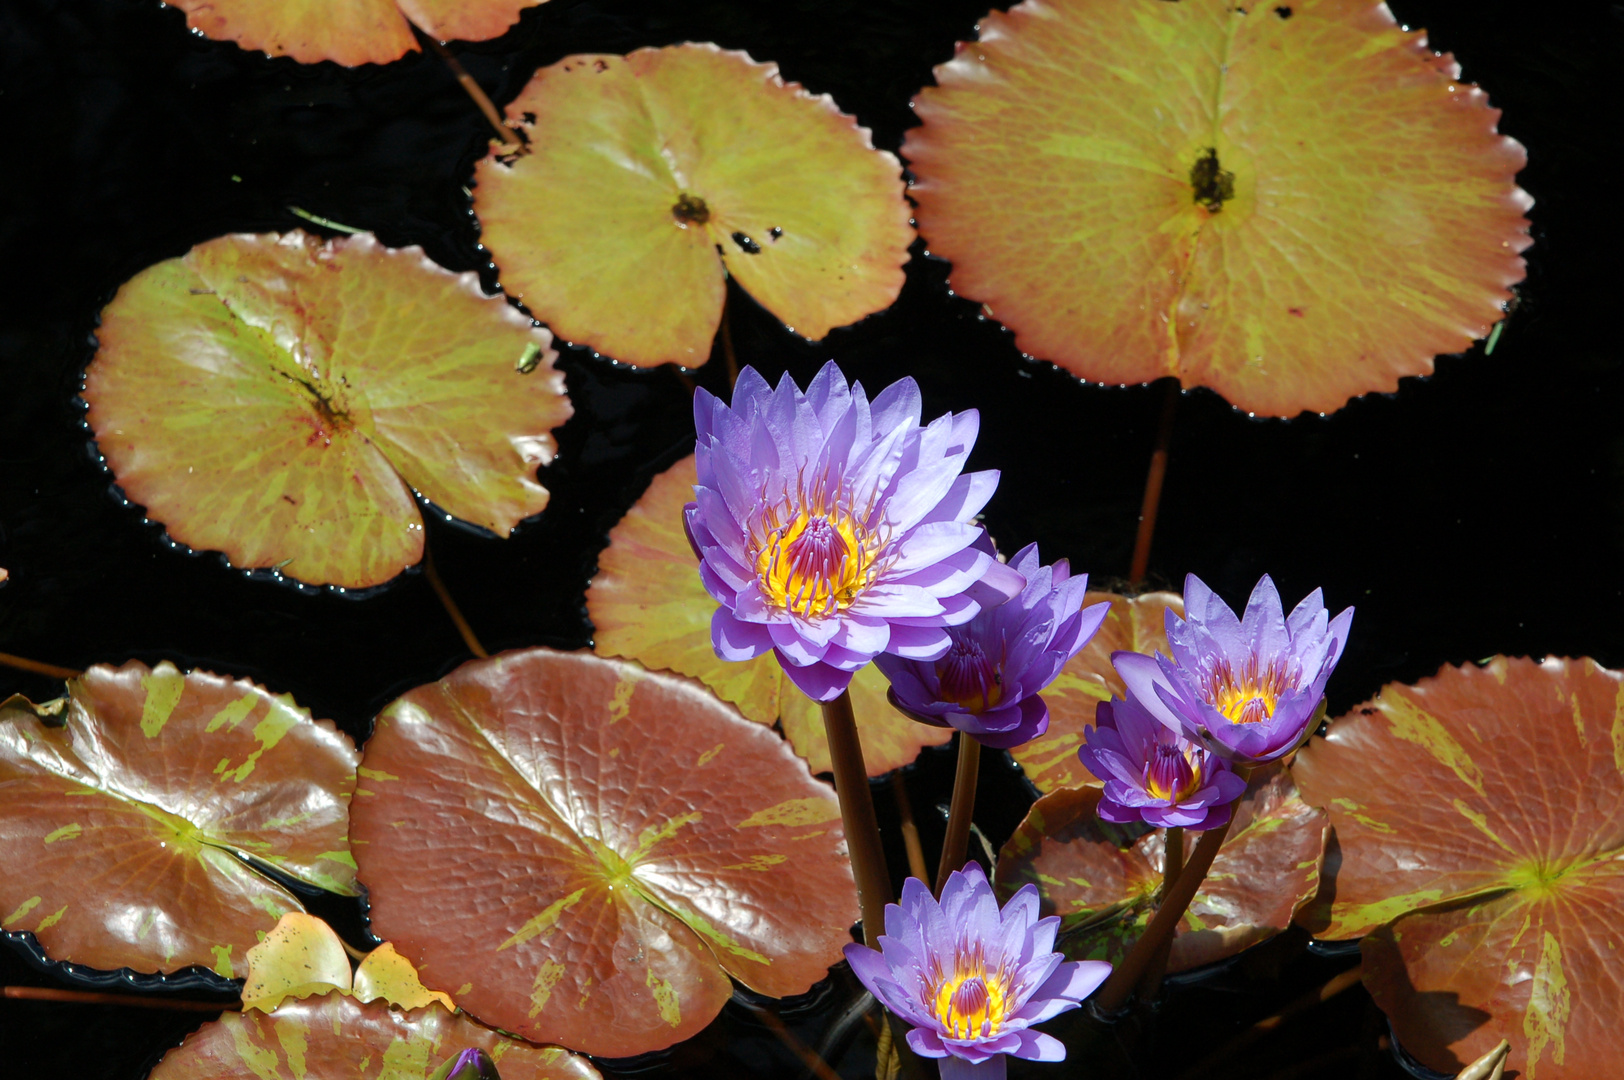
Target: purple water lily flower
(987,682)
(1153,773)
(971,980)
(1248,688)
(831,530)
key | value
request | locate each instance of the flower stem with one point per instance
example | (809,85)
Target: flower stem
(857,816)
(910,831)
(1114,994)
(1153,486)
(1150,984)
(956,844)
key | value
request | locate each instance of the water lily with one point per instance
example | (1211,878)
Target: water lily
(971,979)
(1247,688)
(987,682)
(831,529)
(1153,773)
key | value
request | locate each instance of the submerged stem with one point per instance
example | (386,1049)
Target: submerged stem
(857,816)
(956,844)
(450,605)
(1114,994)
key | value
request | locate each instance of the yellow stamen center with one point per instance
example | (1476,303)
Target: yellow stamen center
(972,1004)
(814,558)
(1249,696)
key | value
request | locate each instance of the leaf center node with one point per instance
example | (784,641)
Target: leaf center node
(1212,185)
(690,210)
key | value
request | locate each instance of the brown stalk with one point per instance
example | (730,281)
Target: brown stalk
(1153,486)
(857,816)
(956,844)
(450,605)
(86,997)
(1122,980)
(728,354)
(910,830)
(511,144)
(38,668)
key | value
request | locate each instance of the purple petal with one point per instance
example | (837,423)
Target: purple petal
(820,682)
(1036,1046)
(736,640)
(954,1067)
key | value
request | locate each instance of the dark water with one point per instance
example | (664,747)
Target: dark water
(1478,511)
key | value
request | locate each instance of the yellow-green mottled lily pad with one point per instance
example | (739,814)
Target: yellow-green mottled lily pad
(663,172)
(1102,879)
(1479,819)
(130,832)
(337,1037)
(349,32)
(647,604)
(583,852)
(280,400)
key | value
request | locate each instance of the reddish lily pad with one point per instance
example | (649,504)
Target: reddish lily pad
(648,604)
(1293,204)
(337,1036)
(1135,623)
(1480,813)
(279,399)
(581,851)
(125,829)
(669,169)
(350,32)
(1102,879)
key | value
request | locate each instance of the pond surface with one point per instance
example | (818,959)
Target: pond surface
(1479,511)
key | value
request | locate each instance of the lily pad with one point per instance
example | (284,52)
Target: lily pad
(1293,204)
(303,956)
(1102,879)
(582,852)
(132,831)
(350,32)
(670,169)
(279,399)
(1479,820)
(648,604)
(337,1036)
(1135,623)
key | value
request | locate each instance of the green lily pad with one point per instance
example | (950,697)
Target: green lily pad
(350,32)
(667,170)
(131,831)
(336,1037)
(279,399)
(1102,879)
(648,604)
(1135,623)
(582,852)
(1479,820)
